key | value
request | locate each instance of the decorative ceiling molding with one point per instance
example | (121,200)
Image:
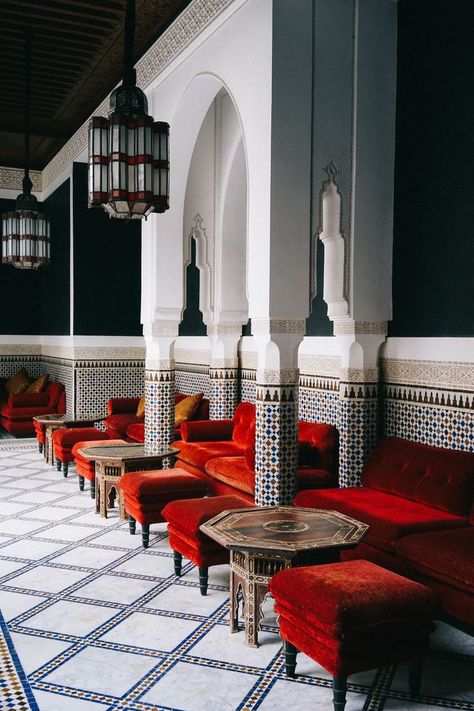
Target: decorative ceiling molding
(192,21)
(11,179)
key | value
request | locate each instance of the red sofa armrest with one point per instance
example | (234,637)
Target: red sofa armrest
(122,405)
(310,478)
(28,400)
(207,430)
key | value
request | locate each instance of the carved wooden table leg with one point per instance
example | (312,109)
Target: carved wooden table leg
(234,600)
(97,488)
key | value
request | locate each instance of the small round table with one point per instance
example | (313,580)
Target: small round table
(57,422)
(112,462)
(264,540)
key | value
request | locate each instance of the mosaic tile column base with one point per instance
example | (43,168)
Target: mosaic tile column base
(224,392)
(276,447)
(159,410)
(358,429)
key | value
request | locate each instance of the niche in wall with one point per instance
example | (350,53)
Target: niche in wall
(192,323)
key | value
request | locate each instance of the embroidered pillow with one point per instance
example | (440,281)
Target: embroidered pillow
(141,407)
(186,408)
(18,383)
(38,385)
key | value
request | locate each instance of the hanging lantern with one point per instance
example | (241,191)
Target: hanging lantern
(26,231)
(128,151)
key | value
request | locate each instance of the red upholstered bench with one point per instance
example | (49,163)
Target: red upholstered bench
(145,495)
(86,469)
(352,617)
(184,519)
(65,439)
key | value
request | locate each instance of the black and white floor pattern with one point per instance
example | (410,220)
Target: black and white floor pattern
(99,624)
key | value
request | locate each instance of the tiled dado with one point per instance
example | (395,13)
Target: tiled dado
(358,427)
(11,364)
(248,385)
(159,410)
(224,391)
(319,399)
(62,370)
(96,381)
(192,378)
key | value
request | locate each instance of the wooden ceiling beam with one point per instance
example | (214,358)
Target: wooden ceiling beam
(76,9)
(64,26)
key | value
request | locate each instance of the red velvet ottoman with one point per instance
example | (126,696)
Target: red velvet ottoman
(145,494)
(65,439)
(352,617)
(86,469)
(184,519)
(39,434)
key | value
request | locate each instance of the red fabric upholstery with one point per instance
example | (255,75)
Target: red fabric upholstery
(207,431)
(199,453)
(146,493)
(309,478)
(65,439)
(39,431)
(122,405)
(25,413)
(118,424)
(436,477)
(55,391)
(233,471)
(28,400)
(353,616)
(84,467)
(319,445)
(389,517)
(136,432)
(243,432)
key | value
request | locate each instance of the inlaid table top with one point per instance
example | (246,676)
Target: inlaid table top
(123,452)
(284,528)
(66,419)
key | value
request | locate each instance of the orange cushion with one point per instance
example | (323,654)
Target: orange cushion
(233,471)
(160,484)
(198,453)
(38,385)
(18,383)
(141,407)
(185,409)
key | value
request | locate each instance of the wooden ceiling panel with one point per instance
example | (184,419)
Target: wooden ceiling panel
(77,51)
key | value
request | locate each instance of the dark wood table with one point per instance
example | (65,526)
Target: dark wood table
(112,462)
(264,540)
(57,422)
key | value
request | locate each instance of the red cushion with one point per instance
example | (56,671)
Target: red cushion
(189,515)
(28,400)
(55,392)
(233,471)
(117,405)
(309,478)
(92,443)
(318,445)
(436,477)
(199,453)
(207,431)
(350,598)
(119,423)
(68,436)
(244,424)
(160,483)
(389,517)
(24,413)
(136,432)
(447,556)
(196,551)
(39,431)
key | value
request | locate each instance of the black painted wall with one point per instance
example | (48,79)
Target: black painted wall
(433,254)
(318,323)
(107,268)
(55,296)
(192,323)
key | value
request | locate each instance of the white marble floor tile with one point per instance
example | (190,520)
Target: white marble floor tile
(37,497)
(145,564)
(122,671)
(82,500)
(113,589)
(200,689)
(19,527)
(36,651)
(30,549)
(9,566)
(180,598)
(51,580)
(12,471)
(27,484)
(73,618)
(93,518)
(286,694)
(218,575)
(89,557)
(9,508)
(50,513)
(52,474)
(68,532)
(119,539)
(457,681)
(14,604)
(221,645)
(60,702)
(151,631)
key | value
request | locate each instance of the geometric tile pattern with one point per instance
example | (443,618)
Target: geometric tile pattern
(159,410)
(276,449)
(11,364)
(435,425)
(97,381)
(192,379)
(62,370)
(15,690)
(358,433)
(319,405)
(120,631)
(248,390)
(224,392)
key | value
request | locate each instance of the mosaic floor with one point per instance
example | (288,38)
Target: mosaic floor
(97,624)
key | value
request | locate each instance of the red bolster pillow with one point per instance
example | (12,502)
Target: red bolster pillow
(207,430)
(28,400)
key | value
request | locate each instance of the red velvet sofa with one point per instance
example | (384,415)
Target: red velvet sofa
(222,453)
(17,411)
(122,420)
(419,503)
